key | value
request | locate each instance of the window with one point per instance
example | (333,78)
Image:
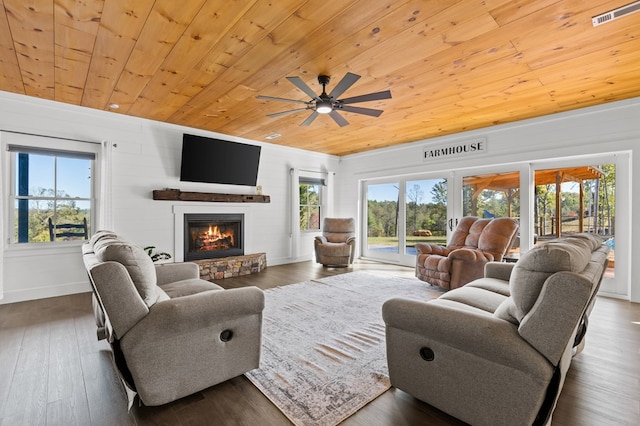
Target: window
(310,202)
(51,194)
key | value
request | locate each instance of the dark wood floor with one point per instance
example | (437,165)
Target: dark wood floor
(53,370)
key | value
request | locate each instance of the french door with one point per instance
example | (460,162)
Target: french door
(548,198)
(403,212)
(587,195)
(490,194)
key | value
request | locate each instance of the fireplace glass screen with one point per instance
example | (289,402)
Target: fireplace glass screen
(213,235)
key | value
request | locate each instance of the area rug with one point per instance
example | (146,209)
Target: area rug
(323,352)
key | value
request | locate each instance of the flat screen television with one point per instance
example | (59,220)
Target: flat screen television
(218,161)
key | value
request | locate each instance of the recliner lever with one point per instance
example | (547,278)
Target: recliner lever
(226,335)
(427,354)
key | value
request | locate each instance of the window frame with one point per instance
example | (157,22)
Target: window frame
(12,143)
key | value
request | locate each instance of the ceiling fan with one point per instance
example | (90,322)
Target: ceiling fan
(328,103)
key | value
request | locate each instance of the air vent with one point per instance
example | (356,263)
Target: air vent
(272,136)
(616,13)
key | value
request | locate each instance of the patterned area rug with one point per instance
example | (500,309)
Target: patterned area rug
(323,353)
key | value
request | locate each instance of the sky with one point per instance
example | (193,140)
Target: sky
(73,175)
(389,191)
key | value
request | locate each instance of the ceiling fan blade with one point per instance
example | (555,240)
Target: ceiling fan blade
(359,110)
(310,119)
(297,81)
(347,81)
(271,98)
(281,113)
(386,94)
(338,118)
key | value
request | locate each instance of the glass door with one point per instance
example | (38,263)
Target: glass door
(383,217)
(426,213)
(403,212)
(555,198)
(489,195)
(586,196)
(548,198)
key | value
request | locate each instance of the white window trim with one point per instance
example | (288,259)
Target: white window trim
(321,194)
(8,177)
(326,207)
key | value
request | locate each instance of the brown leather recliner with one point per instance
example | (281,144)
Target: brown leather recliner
(474,243)
(336,246)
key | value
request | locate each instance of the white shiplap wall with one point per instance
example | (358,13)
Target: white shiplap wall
(146,156)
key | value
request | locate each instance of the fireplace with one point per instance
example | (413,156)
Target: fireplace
(211,235)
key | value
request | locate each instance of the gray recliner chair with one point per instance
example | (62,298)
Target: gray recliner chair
(172,333)
(497,350)
(337,244)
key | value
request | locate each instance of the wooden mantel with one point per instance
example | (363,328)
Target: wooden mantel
(213,197)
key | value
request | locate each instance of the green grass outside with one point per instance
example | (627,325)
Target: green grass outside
(411,240)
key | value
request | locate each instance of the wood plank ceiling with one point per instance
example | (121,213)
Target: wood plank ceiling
(451,65)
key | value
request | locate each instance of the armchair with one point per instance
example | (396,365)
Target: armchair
(474,243)
(336,246)
(172,333)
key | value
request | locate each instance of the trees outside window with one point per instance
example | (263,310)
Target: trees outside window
(310,201)
(586,204)
(405,212)
(49,186)
(491,195)
(426,207)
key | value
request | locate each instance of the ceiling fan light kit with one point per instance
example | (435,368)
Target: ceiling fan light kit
(328,103)
(324,107)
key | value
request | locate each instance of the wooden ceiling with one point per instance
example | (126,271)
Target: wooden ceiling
(451,65)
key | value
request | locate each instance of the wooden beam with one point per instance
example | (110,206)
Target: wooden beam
(213,197)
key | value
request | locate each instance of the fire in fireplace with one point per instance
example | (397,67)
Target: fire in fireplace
(210,236)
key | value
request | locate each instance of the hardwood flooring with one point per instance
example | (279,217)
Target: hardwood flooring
(53,370)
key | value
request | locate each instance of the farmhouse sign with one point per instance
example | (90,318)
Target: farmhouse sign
(458,149)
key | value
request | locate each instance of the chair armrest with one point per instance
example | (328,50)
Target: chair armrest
(498,270)
(321,239)
(172,272)
(351,241)
(470,255)
(176,317)
(479,335)
(427,248)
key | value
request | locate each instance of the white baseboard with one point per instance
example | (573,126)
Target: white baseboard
(287,260)
(613,295)
(22,295)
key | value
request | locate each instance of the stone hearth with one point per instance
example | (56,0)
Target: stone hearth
(233,266)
